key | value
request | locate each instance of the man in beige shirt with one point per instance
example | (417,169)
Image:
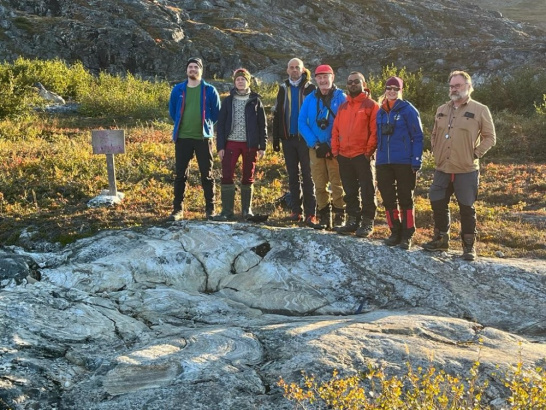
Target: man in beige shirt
(463,132)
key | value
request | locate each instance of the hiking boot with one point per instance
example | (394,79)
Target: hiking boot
(366,228)
(440,242)
(350,227)
(209,216)
(339,217)
(469,251)
(405,243)
(393,220)
(177,215)
(325,216)
(311,221)
(295,217)
(396,234)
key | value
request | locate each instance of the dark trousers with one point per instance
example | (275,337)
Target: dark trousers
(232,152)
(465,187)
(300,183)
(357,177)
(396,183)
(184,151)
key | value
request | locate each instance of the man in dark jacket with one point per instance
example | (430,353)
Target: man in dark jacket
(291,94)
(194,107)
(242,132)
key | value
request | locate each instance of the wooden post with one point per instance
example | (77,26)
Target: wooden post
(109,142)
(111,167)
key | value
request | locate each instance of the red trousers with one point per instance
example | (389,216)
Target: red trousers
(232,153)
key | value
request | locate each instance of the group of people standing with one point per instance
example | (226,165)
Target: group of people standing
(338,148)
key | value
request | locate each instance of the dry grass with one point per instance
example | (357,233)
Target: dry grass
(50,174)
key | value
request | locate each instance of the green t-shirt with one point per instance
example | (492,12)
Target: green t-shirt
(191,126)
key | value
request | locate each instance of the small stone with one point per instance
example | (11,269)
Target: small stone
(499,254)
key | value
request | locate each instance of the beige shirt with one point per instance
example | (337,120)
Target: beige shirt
(460,135)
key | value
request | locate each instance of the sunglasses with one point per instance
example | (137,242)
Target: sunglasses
(392,87)
(351,82)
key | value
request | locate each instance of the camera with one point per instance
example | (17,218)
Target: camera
(323,123)
(387,129)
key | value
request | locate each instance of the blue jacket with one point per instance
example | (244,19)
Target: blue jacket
(405,144)
(210,107)
(313,110)
(256,125)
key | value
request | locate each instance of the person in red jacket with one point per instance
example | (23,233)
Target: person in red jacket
(354,140)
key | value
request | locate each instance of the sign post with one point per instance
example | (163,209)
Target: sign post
(109,142)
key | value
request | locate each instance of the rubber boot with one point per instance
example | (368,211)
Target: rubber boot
(228,199)
(325,217)
(469,250)
(393,220)
(440,242)
(247,192)
(353,223)
(408,228)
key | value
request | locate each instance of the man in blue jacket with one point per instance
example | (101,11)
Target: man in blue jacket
(315,123)
(194,106)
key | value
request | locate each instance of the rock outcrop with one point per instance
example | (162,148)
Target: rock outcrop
(154,38)
(207,315)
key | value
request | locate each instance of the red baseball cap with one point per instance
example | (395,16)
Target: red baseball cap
(324,69)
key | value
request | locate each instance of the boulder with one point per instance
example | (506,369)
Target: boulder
(201,315)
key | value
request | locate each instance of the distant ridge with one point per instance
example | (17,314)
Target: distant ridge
(151,38)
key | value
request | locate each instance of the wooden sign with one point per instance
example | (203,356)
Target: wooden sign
(108,141)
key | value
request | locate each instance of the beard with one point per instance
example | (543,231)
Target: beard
(354,94)
(193,76)
(458,95)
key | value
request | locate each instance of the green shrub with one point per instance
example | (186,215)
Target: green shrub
(417,389)
(541,108)
(424,93)
(125,97)
(268,92)
(55,75)
(519,136)
(16,100)
(518,93)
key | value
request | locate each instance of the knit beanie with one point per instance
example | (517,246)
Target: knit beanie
(195,60)
(242,72)
(396,81)
(323,69)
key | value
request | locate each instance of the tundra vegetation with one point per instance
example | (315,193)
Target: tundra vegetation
(48,173)
(420,388)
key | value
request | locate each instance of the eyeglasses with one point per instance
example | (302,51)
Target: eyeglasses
(392,87)
(456,86)
(351,82)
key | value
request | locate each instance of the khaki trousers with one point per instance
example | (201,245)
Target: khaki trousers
(326,171)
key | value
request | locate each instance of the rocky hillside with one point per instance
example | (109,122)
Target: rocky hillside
(154,37)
